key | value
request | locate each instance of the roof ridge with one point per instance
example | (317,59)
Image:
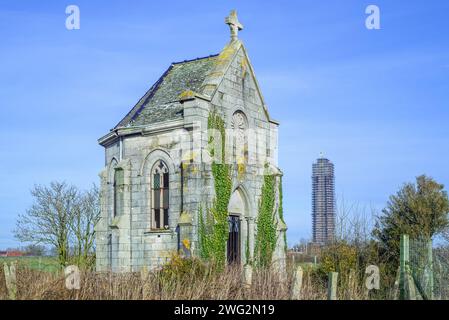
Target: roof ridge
(196,59)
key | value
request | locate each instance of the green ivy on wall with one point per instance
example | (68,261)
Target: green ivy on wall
(281,212)
(213,228)
(266,224)
(281,209)
(213,222)
(215,122)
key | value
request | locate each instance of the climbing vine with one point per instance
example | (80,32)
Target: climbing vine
(281,209)
(213,221)
(213,228)
(281,212)
(266,226)
(215,122)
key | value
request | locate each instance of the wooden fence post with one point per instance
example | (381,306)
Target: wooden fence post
(11,279)
(297,284)
(332,286)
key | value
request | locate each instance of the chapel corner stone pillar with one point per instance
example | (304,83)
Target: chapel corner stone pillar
(251,226)
(280,253)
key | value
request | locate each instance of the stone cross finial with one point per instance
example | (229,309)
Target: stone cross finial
(234,24)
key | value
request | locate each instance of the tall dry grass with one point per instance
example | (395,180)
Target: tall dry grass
(194,284)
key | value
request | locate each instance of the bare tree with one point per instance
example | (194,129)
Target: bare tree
(62,217)
(354,223)
(48,219)
(82,226)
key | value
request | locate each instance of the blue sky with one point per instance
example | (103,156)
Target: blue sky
(376,102)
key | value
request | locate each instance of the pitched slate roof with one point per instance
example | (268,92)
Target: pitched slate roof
(161,102)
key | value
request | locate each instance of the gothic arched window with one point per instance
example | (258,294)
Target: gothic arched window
(239,125)
(118,191)
(160,195)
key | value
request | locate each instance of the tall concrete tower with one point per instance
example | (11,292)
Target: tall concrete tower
(323,201)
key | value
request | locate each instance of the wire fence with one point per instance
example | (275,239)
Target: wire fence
(430,269)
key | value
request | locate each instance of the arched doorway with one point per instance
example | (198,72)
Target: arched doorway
(236,212)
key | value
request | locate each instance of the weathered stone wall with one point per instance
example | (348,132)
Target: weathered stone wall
(238,91)
(138,244)
(134,244)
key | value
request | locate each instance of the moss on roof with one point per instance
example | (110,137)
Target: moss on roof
(161,102)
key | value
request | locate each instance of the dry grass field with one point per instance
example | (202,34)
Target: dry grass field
(178,280)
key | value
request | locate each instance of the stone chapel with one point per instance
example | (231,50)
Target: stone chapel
(161,179)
